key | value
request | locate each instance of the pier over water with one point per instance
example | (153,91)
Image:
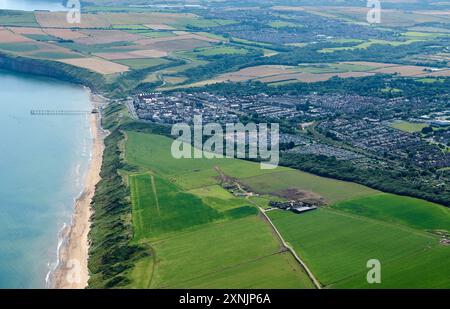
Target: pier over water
(46,112)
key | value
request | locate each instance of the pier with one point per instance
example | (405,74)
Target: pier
(46,112)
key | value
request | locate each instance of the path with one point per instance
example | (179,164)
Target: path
(286,245)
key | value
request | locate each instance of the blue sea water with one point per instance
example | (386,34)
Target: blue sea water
(43,160)
(31,5)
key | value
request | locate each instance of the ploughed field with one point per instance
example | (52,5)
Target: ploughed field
(202,236)
(163,46)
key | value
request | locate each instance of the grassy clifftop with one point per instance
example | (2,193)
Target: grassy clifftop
(53,69)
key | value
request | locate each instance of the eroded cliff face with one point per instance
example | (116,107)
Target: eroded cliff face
(57,70)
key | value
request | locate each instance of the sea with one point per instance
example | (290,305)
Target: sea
(31,5)
(43,161)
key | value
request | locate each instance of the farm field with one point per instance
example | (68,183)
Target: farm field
(391,17)
(130,39)
(234,246)
(278,271)
(311,73)
(114,41)
(188,210)
(97,65)
(17,18)
(160,208)
(426,269)
(200,223)
(229,252)
(369,43)
(152,152)
(280,183)
(142,63)
(396,209)
(218,198)
(337,246)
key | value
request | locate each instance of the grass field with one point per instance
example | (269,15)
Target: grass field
(410,127)
(226,253)
(218,198)
(409,211)
(277,271)
(284,24)
(19,47)
(143,63)
(19,18)
(154,152)
(223,50)
(337,247)
(369,43)
(204,237)
(55,55)
(332,190)
(159,207)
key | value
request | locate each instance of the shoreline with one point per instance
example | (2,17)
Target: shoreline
(71,271)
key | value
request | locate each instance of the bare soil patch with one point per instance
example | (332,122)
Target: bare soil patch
(26,30)
(403,70)
(137,54)
(106,36)
(301,196)
(66,34)
(97,65)
(7,36)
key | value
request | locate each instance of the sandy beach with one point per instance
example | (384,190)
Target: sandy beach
(72,269)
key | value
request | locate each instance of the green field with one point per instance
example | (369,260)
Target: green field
(130,27)
(226,252)
(18,47)
(159,207)
(154,152)
(332,190)
(17,18)
(193,22)
(410,127)
(409,211)
(218,198)
(138,64)
(336,246)
(204,237)
(96,48)
(284,24)
(55,55)
(369,43)
(151,33)
(277,271)
(334,68)
(201,237)
(428,269)
(222,50)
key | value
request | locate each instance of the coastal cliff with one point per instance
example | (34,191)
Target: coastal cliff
(57,70)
